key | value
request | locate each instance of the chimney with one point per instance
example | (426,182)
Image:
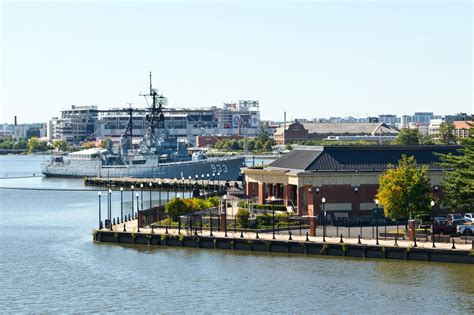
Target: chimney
(15,122)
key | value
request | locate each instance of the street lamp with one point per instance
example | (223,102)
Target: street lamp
(213,182)
(225,214)
(432,225)
(133,212)
(141,192)
(121,204)
(218,181)
(273,216)
(138,223)
(174,187)
(150,184)
(100,214)
(323,206)
(110,209)
(159,192)
(208,183)
(377,221)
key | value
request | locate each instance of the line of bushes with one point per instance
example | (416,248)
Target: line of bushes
(178,206)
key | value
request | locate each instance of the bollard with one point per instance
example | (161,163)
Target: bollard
(113,221)
(124,228)
(166,230)
(307,237)
(414,243)
(396,241)
(241,233)
(152,230)
(341,241)
(359,242)
(290,238)
(454,246)
(433,239)
(256,234)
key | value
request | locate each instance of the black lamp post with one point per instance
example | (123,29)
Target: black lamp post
(133,212)
(150,185)
(100,211)
(377,221)
(121,204)
(208,183)
(273,217)
(190,184)
(432,225)
(213,181)
(138,223)
(225,215)
(323,206)
(110,209)
(218,181)
(184,185)
(141,193)
(159,193)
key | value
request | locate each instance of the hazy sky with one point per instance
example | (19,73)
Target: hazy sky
(312,59)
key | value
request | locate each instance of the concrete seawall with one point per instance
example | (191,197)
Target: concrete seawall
(292,247)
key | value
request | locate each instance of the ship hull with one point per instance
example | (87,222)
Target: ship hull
(228,167)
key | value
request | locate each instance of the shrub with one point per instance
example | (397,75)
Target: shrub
(242,217)
(264,219)
(175,208)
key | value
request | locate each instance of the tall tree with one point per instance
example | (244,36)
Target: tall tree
(408,137)
(459,177)
(446,133)
(405,189)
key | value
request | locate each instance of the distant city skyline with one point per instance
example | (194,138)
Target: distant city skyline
(311,59)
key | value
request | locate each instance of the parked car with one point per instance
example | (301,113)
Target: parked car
(456,219)
(464,229)
(440,219)
(469,217)
(423,221)
(443,228)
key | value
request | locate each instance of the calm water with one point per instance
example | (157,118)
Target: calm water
(50,265)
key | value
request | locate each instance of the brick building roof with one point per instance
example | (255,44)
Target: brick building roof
(359,158)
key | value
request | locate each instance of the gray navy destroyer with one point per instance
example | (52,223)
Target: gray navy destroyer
(158,156)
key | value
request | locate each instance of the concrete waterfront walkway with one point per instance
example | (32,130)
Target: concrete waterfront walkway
(131,226)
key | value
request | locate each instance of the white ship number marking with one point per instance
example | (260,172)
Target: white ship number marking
(219,168)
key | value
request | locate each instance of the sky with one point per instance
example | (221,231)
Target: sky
(310,59)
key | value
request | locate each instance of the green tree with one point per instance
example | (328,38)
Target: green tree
(288,147)
(258,145)
(267,147)
(405,190)
(35,145)
(88,145)
(408,137)
(251,145)
(242,217)
(426,140)
(262,134)
(459,177)
(446,133)
(176,207)
(61,145)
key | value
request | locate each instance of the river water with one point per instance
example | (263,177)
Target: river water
(49,264)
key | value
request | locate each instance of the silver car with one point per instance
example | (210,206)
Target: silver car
(469,217)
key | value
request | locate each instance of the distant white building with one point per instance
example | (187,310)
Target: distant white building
(389,119)
(433,128)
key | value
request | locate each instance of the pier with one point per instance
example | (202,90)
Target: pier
(204,183)
(248,240)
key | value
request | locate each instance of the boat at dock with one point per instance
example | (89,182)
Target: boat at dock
(158,155)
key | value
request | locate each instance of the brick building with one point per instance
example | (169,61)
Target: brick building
(347,176)
(350,131)
(462,129)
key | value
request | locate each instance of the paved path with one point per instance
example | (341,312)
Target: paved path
(131,226)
